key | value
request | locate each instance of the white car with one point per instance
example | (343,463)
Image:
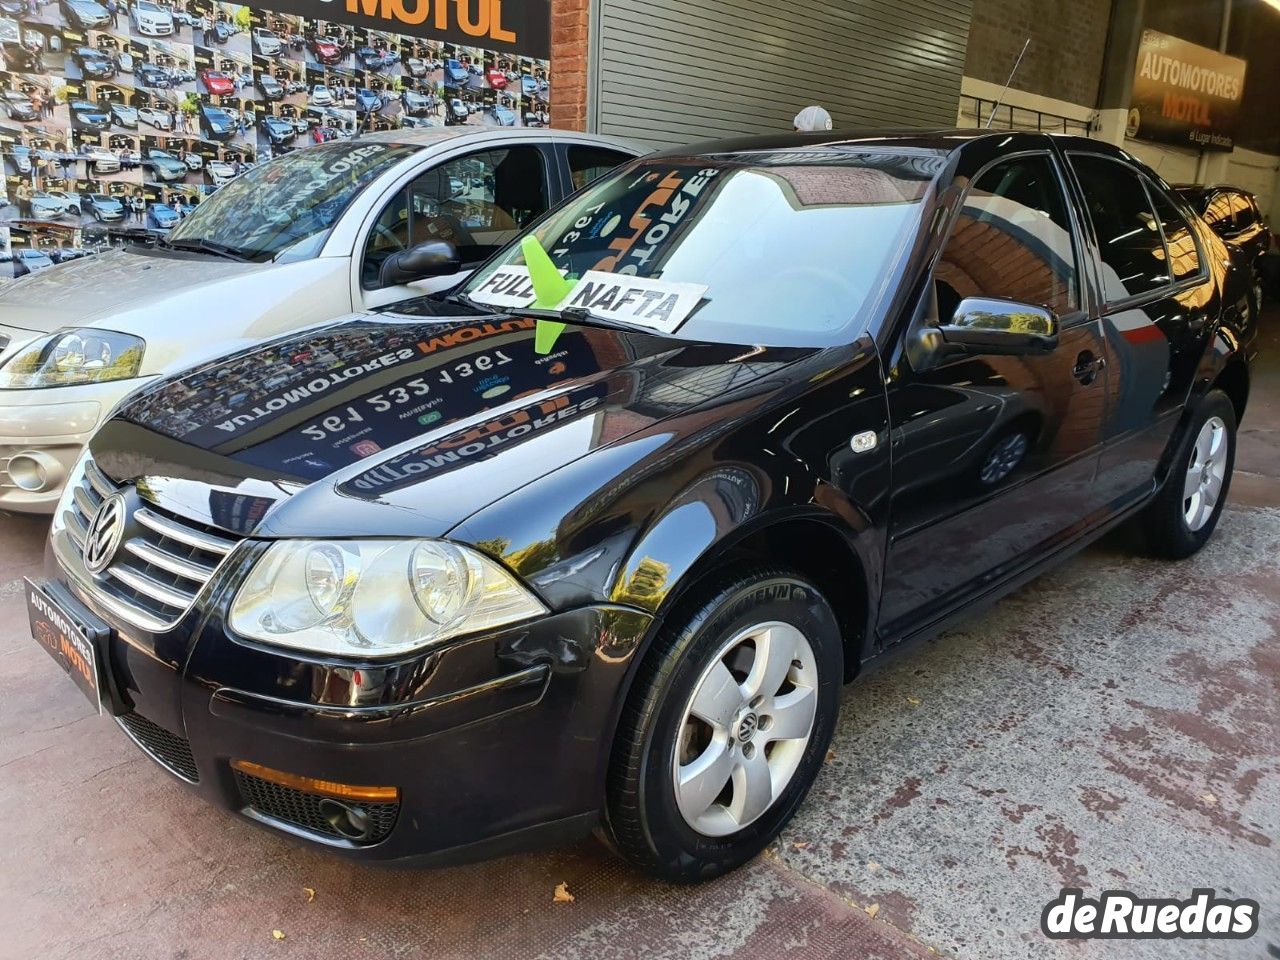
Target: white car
(160,119)
(266,43)
(103,160)
(219,172)
(322,96)
(151,19)
(193,161)
(305,238)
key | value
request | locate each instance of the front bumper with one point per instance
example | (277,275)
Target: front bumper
(490,743)
(150,29)
(42,433)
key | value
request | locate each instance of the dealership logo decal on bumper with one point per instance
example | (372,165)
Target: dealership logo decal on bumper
(1120,915)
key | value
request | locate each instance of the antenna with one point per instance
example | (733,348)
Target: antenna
(1012,73)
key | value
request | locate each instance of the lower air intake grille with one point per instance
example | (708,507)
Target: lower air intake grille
(165,748)
(305,809)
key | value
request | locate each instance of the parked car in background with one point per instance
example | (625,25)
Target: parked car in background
(84,15)
(222,32)
(100,159)
(414,103)
(415,67)
(266,43)
(94,64)
(218,83)
(164,166)
(1234,215)
(103,208)
(216,123)
(321,96)
(88,116)
(18,105)
(367,101)
(455,74)
(44,206)
(194,161)
(651,526)
(151,19)
(161,216)
(70,201)
(326,50)
(20,263)
(155,117)
(150,75)
(20,156)
(500,116)
(271,88)
(123,115)
(368,58)
(20,58)
(219,173)
(293,242)
(279,132)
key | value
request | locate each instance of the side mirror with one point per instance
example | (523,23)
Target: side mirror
(982,326)
(435,258)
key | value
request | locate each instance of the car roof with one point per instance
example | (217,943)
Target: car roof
(1203,189)
(940,141)
(432,136)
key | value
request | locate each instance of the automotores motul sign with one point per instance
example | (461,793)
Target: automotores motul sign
(1185,94)
(522,27)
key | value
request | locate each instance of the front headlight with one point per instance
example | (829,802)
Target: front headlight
(72,357)
(375,598)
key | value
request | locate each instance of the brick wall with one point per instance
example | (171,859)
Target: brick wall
(1068,44)
(569,22)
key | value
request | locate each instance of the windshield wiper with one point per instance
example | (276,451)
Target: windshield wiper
(585,318)
(467,301)
(202,245)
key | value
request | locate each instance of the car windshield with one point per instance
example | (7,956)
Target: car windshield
(788,248)
(284,209)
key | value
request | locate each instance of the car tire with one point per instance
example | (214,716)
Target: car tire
(1184,514)
(707,663)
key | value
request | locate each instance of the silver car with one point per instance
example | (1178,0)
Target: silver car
(310,236)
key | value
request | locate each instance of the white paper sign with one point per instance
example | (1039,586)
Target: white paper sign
(506,287)
(635,300)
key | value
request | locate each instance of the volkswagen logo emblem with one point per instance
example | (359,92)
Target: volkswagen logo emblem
(106,530)
(747,727)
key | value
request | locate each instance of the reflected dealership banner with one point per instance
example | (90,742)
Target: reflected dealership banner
(1185,94)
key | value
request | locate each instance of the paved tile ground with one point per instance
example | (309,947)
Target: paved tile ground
(1115,724)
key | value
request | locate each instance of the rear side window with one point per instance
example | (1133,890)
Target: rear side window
(1126,226)
(1241,211)
(1012,240)
(591,163)
(1184,255)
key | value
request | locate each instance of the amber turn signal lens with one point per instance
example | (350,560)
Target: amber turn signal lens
(328,788)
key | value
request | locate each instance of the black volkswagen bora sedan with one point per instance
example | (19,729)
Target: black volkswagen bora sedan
(594,541)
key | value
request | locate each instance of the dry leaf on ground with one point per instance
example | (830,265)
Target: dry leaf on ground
(277,934)
(872,910)
(311,894)
(562,894)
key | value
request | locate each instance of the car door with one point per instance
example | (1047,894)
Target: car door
(1157,301)
(477,201)
(993,456)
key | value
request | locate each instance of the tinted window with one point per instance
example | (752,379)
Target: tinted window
(1184,257)
(477,203)
(1241,211)
(1128,233)
(1012,240)
(591,163)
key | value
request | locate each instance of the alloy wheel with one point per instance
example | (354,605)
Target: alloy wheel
(1206,474)
(1004,458)
(745,728)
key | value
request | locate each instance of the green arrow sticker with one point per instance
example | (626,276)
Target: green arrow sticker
(551,289)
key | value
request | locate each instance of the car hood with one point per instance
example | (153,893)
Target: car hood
(99,289)
(390,424)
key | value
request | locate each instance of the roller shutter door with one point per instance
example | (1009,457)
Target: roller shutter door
(673,71)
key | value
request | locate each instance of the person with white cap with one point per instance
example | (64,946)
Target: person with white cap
(812,119)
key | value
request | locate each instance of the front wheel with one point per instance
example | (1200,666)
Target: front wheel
(1185,513)
(726,725)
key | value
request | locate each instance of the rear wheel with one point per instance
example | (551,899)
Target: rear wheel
(1185,513)
(726,725)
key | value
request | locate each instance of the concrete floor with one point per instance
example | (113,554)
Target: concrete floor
(1115,724)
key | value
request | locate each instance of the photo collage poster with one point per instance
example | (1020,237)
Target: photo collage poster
(117,117)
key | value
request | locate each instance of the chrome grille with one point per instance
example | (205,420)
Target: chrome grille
(156,574)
